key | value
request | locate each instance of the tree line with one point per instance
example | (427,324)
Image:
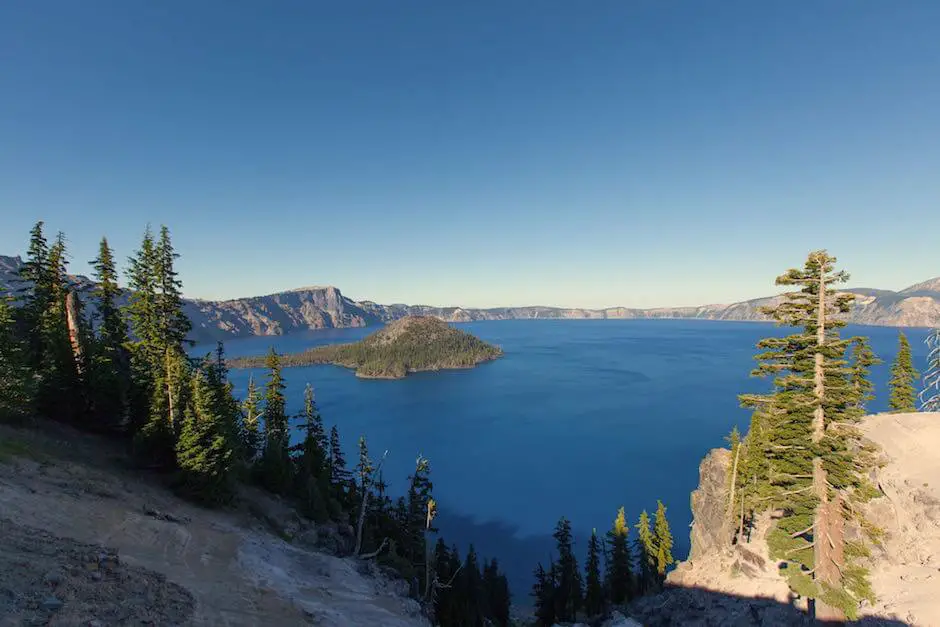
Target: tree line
(615,572)
(124,371)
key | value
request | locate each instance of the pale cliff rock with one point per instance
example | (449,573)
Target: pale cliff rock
(905,569)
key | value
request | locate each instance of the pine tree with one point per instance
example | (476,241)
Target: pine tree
(364,474)
(646,554)
(251,429)
(619,576)
(35,293)
(569,592)
(734,439)
(340,477)
(496,591)
(205,452)
(862,359)
(145,350)
(810,462)
(594,592)
(472,589)
(16,381)
(930,395)
(110,362)
(61,393)
(275,460)
(311,475)
(543,592)
(903,376)
(443,599)
(662,540)
(174,325)
(416,523)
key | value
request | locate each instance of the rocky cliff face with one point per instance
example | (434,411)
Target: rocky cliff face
(326,307)
(905,569)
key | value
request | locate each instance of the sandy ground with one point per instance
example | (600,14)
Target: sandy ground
(906,577)
(193,566)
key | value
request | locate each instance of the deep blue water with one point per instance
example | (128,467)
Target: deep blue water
(578,418)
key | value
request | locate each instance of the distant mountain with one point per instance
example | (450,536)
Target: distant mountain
(326,307)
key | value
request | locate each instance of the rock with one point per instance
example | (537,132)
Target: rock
(308,538)
(53,577)
(52,604)
(619,620)
(709,502)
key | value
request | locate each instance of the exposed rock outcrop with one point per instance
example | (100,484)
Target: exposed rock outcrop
(905,570)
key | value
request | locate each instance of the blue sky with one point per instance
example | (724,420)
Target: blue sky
(622,152)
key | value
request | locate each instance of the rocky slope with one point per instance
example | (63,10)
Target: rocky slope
(326,307)
(86,541)
(905,569)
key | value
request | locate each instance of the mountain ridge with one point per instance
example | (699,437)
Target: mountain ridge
(318,307)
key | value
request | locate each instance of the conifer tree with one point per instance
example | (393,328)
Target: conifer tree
(110,362)
(862,359)
(251,429)
(339,476)
(805,426)
(415,524)
(593,592)
(619,576)
(275,459)
(903,377)
(472,589)
(498,599)
(569,589)
(443,600)
(646,554)
(364,474)
(543,593)
(35,293)
(662,540)
(930,395)
(312,478)
(174,324)
(205,452)
(145,351)
(60,392)
(16,389)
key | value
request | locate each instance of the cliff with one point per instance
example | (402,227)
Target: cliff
(86,540)
(905,568)
(326,307)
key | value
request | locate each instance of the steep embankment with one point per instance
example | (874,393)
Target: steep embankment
(905,569)
(326,307)
(85,541)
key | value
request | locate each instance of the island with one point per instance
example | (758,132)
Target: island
(410,344)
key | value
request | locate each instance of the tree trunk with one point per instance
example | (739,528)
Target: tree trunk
(71,318)
(734,481)
(169,390)
(827,521)
(362,519)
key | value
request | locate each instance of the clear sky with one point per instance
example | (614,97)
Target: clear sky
(505,152)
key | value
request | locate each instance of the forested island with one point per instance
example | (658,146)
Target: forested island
(412,344)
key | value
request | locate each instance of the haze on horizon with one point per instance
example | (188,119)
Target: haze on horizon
(599,154)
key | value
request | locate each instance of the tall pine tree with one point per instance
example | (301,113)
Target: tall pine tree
(275,463)
(252,441)
(862,359)
(593,592)
(646,555)
(903,377)
(805,425)
(569,594)
(662,540)
(619,576)
(16,389)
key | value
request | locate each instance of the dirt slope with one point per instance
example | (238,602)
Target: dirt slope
(175,563)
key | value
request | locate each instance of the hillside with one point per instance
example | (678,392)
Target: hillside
(411,344)
(85,540)
(905,569)
(327,307)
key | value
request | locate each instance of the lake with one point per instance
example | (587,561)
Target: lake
(578,418)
